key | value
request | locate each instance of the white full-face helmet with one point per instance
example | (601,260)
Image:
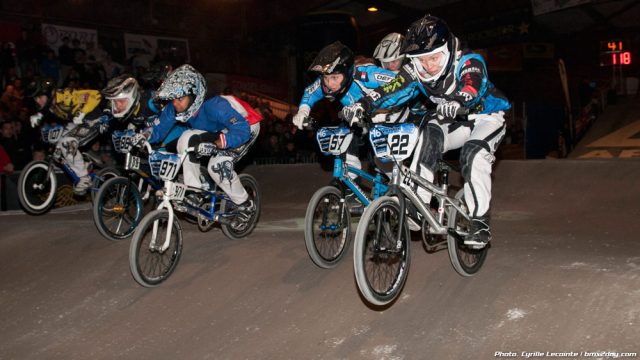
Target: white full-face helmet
(121,87)
(388,49)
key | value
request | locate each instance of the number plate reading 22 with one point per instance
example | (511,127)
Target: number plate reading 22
(395,142)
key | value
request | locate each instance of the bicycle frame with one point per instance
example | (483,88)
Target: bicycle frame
(174,191)
(396,143)
(335,141)
(439,192)
(53,134)
(341,173)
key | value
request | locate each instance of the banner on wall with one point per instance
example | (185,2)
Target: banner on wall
(176,49)
(53,35)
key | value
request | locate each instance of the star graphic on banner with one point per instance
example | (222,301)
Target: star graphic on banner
(524,28)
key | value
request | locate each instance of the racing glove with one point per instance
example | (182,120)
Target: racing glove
(35,119)
(448,109)
(103,122)
(78,118)
(301,116)
(352,113)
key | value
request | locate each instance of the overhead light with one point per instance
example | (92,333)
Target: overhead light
(372,9)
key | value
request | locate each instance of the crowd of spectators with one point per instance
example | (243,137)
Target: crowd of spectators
(89,66)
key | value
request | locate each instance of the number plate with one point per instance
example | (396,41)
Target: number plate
(122,140)
(394,142)
(133,162)
(164,165)
(176,191)
(52,134)
(334,140)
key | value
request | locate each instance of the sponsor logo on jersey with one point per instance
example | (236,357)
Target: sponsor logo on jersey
(397,82)
(311,89)
(471,69)
(383,78)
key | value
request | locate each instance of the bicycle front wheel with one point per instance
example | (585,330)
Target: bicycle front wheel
(101,177)
(327,227)
(117,208)
(465,260)
(381,260)
(149,264)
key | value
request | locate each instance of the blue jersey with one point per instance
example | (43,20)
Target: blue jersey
(365,79)
(215,116)
(467,83)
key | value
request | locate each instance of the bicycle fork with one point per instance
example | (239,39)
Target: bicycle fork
(166,204)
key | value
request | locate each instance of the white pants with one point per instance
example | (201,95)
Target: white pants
(479,138)
(219,167)
(68,146)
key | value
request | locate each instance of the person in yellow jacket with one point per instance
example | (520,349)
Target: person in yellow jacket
(70,106)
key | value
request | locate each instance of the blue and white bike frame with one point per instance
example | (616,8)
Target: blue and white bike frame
(335,141)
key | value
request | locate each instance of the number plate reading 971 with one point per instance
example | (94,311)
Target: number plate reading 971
(177,191)
(168,170)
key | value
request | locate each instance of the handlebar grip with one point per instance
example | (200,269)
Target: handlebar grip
(309,123)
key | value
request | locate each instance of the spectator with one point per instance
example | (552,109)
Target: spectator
(23,143)
(95,54)
(65,55)
(111,68)
(50,66)
(6,166)
(7,140)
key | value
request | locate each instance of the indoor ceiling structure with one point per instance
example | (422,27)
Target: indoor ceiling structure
(560,17)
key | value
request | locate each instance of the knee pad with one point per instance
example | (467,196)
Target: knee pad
(433,145)
(469,151)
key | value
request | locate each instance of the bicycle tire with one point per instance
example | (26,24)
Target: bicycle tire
(324,252)
(465,260)
(250,184)
(155,271)
(36,183)
(119,203)
(376,255)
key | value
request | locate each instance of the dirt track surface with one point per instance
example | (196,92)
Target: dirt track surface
(563,275)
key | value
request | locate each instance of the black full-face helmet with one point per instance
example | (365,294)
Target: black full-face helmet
(427,36)
(38,87)
(335,58)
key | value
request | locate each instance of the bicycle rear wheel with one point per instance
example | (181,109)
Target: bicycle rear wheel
(465,260)
(240,229)
(149,264)
(381,263)
(37,188)
(327,227)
